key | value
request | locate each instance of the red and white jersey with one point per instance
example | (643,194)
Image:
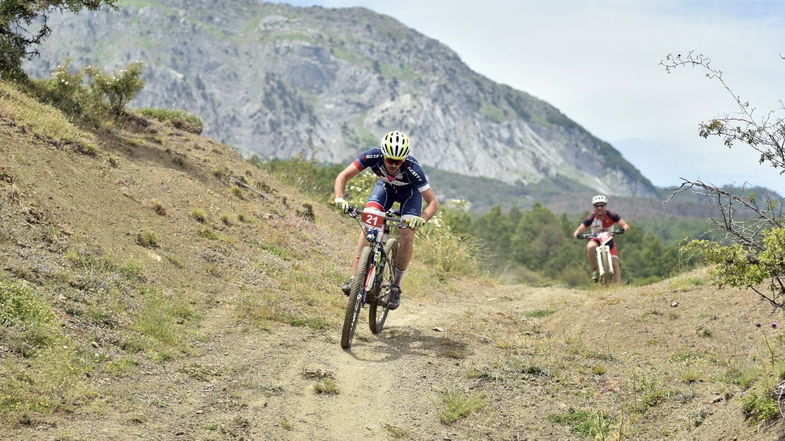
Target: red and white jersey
(600,224)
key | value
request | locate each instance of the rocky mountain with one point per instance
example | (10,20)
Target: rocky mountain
(276,81)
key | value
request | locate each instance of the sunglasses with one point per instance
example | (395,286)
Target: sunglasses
(599,205)
(394,161)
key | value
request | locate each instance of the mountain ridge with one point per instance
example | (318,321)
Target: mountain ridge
(328,82)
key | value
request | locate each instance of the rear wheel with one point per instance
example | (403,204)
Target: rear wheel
(606,273)
(377,313)
(355,304)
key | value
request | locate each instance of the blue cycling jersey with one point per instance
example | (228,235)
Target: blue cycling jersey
(410,175)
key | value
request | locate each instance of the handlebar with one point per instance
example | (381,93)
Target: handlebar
(595,235)
(391,216)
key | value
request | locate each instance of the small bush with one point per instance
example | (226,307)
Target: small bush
(147,239)
(199,215)
(760,407)
(177,118)
(158,208)
(326,387)
(450,252)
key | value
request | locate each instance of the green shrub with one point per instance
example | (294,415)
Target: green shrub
(116,90)
(147,239)
(760,407)
(177,118)
(450,252)
(104,95)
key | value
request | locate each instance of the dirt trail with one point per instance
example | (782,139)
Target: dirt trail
(389,384)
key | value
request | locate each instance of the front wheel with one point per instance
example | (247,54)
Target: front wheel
(606,276)
(355,304)
(376,317)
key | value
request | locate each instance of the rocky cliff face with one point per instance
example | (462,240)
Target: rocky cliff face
(277,81)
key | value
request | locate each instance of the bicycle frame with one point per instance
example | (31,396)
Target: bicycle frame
(603,253)
(375,226)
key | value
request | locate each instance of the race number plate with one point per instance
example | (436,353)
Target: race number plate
(372,219)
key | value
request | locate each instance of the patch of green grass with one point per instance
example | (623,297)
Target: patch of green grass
(177,118)
(310,322)
(648,393)
(457,405)
(278,251)
(262,311)
(122,367)
(208,234)
(132,269)
(162,321)
(584,422)
(43,120)
(690,377)
(46,371)
(539,313)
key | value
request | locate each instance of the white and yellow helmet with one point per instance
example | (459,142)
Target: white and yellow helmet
(395,145)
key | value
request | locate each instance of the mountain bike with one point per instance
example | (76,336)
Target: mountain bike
(374,271)
(603,251)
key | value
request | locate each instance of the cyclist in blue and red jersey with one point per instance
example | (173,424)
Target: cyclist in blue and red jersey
(402,180)
(599,221)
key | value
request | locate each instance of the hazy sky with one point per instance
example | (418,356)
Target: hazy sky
(597,62)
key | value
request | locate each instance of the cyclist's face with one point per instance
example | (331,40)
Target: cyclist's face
(599,208)
(393,165)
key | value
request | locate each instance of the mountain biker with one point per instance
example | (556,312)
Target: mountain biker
(599,221)
(401,179)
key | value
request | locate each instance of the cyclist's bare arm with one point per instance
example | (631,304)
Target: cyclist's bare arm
(581,228)
(623,223)
(340,182)
(433,205)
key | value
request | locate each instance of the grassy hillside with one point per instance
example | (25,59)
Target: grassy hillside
(119,243)
(155,281)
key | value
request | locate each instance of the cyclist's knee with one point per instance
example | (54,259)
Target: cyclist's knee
(406,235)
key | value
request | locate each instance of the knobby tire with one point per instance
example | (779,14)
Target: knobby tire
(354,306)
(376,318)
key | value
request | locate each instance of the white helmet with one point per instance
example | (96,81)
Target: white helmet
(599,199)
(395,145)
